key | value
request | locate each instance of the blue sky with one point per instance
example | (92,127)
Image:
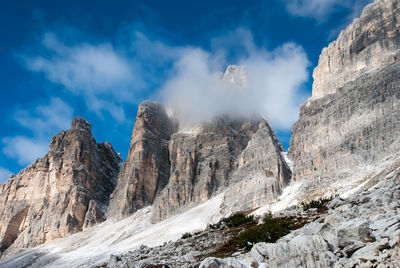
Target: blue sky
(100,59)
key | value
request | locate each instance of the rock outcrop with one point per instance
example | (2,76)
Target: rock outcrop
(361,231)
(146,170)
(351,123)
(261,175)
(368,44)
(224,154)
(62,193)
(174,169)
(202,162)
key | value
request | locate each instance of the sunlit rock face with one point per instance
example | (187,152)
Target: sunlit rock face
(371,42)
(146,170)
(175,168)
(62,193)
(351,123)
(223,154)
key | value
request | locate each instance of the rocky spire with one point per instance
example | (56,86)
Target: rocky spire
(62,193)
(146,169)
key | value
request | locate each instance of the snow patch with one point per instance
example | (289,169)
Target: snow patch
(287,160)
(287,199)
(95,245)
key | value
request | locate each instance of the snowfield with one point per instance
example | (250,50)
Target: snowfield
(95,245)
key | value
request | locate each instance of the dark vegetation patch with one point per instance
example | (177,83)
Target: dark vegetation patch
(238,219)
(244,231)
(269,231)
(186,235)
(319,204)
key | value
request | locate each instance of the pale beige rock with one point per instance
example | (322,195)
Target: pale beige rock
(61,193)
(369,43)
(146,169)
(351,124)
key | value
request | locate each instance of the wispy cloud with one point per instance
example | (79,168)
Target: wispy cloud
(4,174)
(98,72)
(43,122)
(183,77)
(195,91)
(321,10)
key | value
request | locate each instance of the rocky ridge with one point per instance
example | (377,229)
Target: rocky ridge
(368,44)
(348,131)
(351,233)
(62,193)
(175,169)
(146,170)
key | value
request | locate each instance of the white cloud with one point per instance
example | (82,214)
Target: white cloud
(45,119)
(322,9)
(25,149)
(196,93)
(4,174)
(98,72)
(43,122)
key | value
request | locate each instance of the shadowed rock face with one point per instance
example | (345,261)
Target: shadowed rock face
(146,169)
(62,193)
(352,124)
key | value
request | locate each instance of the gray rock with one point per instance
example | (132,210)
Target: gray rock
(146,170)
(349,127)
(60,194)
(221,263)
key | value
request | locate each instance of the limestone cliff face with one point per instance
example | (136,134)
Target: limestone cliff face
(62,193)
(351,122)
(202,162)
(369,43)
(261,175)
(175,169)
(147,169)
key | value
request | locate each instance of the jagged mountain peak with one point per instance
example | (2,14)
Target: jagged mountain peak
(62,193)
(80,123)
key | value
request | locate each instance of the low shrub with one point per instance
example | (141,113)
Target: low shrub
(316,203)
(238,219)
(186,235)
(271,230)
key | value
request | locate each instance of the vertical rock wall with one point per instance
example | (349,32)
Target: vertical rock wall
(62,193)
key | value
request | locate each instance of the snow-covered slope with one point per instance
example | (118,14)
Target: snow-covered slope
(95,245)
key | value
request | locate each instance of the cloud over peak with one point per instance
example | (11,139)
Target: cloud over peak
(195,92)
(321,10)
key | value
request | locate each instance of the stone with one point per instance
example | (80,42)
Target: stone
(146,170)
(221,263)
(202,163)
(349,128)
(60,194)
(261,175)
(301,251)
(369,43)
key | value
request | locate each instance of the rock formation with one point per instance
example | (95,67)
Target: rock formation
(146,170)
(62,193)
(369,43)
(261,175)
(351,123)
(176,169)
(203,163)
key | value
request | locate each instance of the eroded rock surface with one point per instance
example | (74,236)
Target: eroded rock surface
(369,43)
(174,169)
(146,170)
(62,193)
(350,125)
(261,175)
